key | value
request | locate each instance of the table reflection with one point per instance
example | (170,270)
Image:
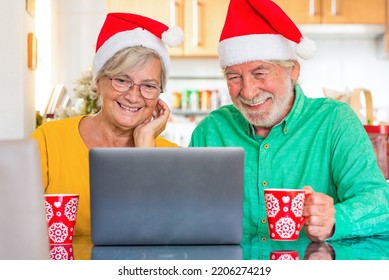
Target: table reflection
(251,248)
(319,251)
(176,252)
(369,248)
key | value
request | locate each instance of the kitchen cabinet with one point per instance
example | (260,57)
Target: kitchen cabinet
(335,11)
(201,21)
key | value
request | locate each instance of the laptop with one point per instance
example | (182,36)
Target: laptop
(166,196)
(22,207)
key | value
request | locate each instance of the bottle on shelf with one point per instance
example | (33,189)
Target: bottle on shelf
(185,100)
(176,100)
(194,100)
(205,98)
(215,99)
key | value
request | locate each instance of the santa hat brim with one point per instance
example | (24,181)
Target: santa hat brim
(126,39)
(242,49)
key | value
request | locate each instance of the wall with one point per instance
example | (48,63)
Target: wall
(78,23)
(347,63)
(17,110)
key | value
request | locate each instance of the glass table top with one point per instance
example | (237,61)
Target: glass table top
(251,248)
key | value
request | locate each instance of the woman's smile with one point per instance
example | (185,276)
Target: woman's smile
(127,108)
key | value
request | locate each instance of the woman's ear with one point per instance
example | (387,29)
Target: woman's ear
(97,87)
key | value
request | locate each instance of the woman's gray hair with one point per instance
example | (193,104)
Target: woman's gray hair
(128,58)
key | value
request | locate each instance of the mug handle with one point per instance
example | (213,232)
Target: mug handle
(304,219)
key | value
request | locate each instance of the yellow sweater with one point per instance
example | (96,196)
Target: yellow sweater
(65,164)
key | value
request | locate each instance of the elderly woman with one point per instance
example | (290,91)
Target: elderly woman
(130,72)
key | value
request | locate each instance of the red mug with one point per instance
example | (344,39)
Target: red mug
(284,255)
(61,252)
(61,214)
(284,211)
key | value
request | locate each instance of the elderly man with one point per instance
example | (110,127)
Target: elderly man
(290,140)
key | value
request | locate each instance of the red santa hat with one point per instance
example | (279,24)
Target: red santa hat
(260,30)
(122,30)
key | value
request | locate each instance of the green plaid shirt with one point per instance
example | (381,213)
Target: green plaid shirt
(321,143)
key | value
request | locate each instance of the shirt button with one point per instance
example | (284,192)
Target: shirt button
(266,146)
(263,220)
(263,239)
(285,129)
(264,183)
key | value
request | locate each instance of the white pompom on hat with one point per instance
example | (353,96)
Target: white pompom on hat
(260,30)
(122,30)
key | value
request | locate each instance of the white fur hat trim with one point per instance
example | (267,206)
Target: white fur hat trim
(126,39)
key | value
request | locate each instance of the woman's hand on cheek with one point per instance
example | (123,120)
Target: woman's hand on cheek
(160,116)
(146,132)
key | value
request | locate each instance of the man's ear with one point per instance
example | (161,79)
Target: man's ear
(295,74)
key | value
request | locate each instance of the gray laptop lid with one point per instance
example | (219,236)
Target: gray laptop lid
(155,196)
(22,207)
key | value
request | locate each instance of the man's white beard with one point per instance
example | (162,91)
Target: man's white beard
(266,119)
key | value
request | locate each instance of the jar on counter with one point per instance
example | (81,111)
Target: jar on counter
(194,100)
(205,100)
(379,137)
(185,100)
(177,100)
(215,99)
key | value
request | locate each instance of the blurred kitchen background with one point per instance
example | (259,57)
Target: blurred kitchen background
(351,35)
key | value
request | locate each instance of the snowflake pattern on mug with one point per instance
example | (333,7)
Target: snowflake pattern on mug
(286,257)
(49,211)
(285,227)
(71,209)
(272,205)
(298,204)
(58,232)
(60,253)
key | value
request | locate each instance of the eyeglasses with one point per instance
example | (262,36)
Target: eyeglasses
(146,90)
